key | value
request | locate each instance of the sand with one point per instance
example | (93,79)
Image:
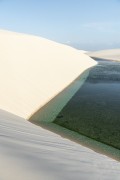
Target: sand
(111,54)
(29,152)
(33,70)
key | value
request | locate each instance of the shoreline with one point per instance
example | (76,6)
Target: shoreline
(96,146)
(40,119)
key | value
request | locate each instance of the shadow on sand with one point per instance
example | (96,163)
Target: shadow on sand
(45,116)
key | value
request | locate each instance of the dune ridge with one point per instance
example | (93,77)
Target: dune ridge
(110,54)
(33,70)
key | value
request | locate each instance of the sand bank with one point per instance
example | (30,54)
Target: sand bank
(30,152)
(111,54)
(33,70)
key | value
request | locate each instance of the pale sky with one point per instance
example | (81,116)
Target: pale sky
(84,24)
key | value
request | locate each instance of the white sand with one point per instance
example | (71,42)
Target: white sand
(111,54)
(33,70)
(28,152)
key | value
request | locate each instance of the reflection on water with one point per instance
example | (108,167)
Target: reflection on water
(94,109)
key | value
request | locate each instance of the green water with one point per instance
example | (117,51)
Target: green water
(94,111)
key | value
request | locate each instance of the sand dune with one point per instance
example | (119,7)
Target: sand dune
(28,152)
(33,70)
(111,54)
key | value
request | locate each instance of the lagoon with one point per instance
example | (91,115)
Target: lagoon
(94,109)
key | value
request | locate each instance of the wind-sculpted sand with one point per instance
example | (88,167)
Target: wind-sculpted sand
(33,71)
(29,152)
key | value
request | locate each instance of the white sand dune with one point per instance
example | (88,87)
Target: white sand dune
(32,71)
(111,54)
(28,152)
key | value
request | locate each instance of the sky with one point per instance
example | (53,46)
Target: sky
(83,24)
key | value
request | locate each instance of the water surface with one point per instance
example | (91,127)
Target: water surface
(94,110)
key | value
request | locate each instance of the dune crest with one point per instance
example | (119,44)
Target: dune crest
(110,54)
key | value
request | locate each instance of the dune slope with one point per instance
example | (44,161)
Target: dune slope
(28,152)
(33,70)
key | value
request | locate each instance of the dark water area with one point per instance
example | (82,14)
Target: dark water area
(94,110)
